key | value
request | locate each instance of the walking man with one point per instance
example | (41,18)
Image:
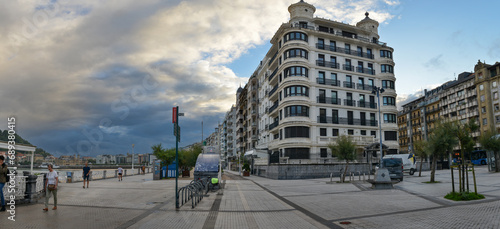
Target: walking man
(86,174)
(120,172)
(3,180)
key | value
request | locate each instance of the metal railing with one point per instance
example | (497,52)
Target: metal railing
(193,191)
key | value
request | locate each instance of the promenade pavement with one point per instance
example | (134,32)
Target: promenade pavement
(256,202)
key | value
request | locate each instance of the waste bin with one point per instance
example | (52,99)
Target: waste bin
(69,177)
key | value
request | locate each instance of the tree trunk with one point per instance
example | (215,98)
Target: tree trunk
(420,169)
(433,171)
(345,172)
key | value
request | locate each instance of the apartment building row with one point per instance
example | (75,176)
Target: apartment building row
(474,95)
(315,83)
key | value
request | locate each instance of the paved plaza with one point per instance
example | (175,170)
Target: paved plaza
(256,202)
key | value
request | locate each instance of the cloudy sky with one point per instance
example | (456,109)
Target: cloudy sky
(94,76)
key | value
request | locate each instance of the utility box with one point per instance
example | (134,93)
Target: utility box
(69,177)
(156,170)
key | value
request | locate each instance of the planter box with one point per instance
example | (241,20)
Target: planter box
(246,173)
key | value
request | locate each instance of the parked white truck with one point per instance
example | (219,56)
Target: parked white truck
(408,162)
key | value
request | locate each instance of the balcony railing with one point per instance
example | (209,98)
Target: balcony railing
(273,90)
(275,124)
(329,64)
(328,100)
(362,103)
(339,33)
(346,121)
(365,87)
(365,70)
(348,67)
(273,74)
(328,81)
(349,84)
(349,102)
(273,107)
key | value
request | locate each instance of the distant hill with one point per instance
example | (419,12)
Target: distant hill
(4,136)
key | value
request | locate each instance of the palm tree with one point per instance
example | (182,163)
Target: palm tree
(441,141)
(165,155)
(344,149)
(491,142)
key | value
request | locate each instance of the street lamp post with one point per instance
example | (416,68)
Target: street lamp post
(377,91)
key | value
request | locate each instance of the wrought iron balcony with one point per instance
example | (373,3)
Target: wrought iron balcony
(365,70)
(349,84)
(348,67)
(330,64)
(275,124)
(328,81)
(346,121)
(365,87)
(328,100)
(362,103)
(350,102)
(273,90)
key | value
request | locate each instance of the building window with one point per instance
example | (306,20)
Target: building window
(482,98)
(481,87)
(322,131)
(296,91)
(494,84)
(497,107)
(460,93)
(386,54)
(389,101)
(335,132)
(495,95)
(391,135)
(373,133)
(323,152)
(461,112)
(387,68)
(389,84)
(363,132)
(290,53)
(497,118)
(297,132)
(350,132)
(297,153)
(483,109)
(389,118)
(485,121)
(296,71)
(296,111)
(295,36)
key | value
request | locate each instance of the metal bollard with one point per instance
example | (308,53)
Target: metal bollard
(363,176)
(331,177)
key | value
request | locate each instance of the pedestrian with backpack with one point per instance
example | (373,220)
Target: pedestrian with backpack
(3,179)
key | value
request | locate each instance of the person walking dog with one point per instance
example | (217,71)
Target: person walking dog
(51,188)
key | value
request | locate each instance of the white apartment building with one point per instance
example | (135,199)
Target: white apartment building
(315,84)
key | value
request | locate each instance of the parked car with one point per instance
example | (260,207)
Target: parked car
(395,167)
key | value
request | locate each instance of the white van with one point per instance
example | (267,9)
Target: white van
(408,162)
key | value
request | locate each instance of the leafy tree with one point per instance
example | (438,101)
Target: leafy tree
(421,149)
(166,156)
(489,141)
(463,132)
(344,149)
(441,141)
(187,158)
